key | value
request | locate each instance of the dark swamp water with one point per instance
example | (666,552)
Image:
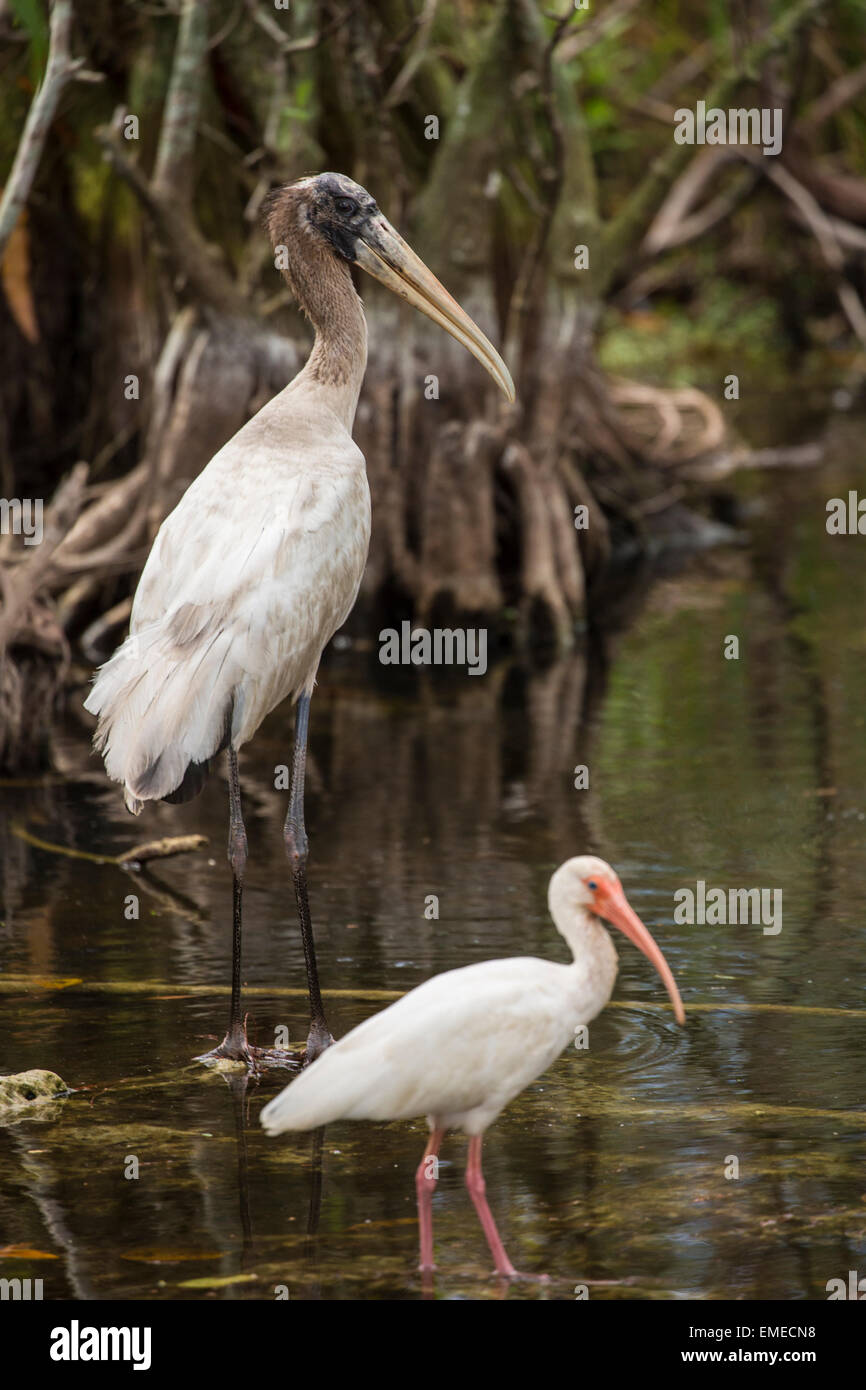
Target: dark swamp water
(608,1171)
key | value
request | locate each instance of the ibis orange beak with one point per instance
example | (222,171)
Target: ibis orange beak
(382,252)
(612,904)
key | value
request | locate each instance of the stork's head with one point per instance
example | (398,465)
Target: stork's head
(345,219)
(587,884)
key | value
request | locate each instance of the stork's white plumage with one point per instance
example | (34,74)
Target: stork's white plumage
(462,1045)
(248,579)
(261,560)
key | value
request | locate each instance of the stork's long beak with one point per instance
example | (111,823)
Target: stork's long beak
(612,904)
(383,253)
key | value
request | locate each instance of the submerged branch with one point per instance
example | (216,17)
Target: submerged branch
(152,849)
(22,984)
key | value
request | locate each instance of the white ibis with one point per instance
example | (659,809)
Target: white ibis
(260,561)
(462,1045)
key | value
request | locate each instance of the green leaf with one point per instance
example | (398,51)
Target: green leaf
(33,19)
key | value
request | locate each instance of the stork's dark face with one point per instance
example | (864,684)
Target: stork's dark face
(340,210)
(346,219)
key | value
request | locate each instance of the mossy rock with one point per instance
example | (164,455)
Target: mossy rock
(30,1088)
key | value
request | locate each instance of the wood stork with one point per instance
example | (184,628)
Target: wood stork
(462,1045)
(261,560)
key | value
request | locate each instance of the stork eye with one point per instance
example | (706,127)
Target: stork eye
(592,886)
(346,207)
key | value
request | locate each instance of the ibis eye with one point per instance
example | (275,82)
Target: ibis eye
(592,886)
(346,207)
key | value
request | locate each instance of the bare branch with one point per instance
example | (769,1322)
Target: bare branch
(172,177)
(721,465)
(850,237)
(844,90)
(822,229)
(261,16)
(631,220)
(675,223)
(20,586)
(696,61)
(190,252)
(589,33)
(59,72)
(416,56)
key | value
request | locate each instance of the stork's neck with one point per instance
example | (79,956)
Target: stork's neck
(324,290)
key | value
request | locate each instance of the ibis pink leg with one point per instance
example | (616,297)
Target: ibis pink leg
(426,1175)
(477,1188)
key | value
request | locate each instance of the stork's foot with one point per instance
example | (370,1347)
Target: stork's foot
(318,1040)
(234,1048)
(236,1053)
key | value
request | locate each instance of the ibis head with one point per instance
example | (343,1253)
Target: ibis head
(587,885)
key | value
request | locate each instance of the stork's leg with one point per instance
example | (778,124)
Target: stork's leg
(295,834)
(477,1188)
(234,1046)
(237,851)
(426,1177)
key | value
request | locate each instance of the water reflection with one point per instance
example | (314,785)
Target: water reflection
(610,1170)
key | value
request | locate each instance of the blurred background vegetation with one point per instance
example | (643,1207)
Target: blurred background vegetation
(142,320)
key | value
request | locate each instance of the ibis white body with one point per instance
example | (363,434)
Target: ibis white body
(461,1046)
(457,1049)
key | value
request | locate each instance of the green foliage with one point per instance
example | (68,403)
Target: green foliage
(678,346)
(32,18)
